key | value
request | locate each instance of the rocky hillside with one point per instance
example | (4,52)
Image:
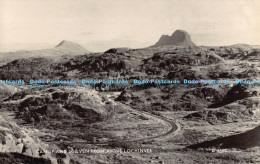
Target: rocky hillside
(56,105)
(168,61)
(244,140)
(175,60)
(17,146)
(238,92)
(253,56)
(27,68)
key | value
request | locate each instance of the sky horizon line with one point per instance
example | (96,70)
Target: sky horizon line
(39,46)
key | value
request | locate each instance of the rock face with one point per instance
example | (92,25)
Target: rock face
(179,38)
(14,139)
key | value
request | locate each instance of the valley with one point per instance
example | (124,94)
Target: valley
(184,103)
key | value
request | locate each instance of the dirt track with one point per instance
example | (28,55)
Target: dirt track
(174,127)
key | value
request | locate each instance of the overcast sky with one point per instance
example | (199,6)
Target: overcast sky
(127,23)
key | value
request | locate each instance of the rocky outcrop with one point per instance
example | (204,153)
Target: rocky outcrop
(124,96)
(237,92)
(14,139)
(117,50)
(253,56)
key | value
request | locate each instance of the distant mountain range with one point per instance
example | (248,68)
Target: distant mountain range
(63,48)
(178,38)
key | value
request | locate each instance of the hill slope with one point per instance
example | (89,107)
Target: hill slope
(63,48)
(245,140)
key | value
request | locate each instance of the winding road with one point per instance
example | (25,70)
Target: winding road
(174,127)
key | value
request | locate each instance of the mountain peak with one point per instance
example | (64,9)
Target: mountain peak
(65,43)
(71,47)
(179,38)
(181,31)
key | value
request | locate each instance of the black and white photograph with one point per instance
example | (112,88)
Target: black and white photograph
(129,81)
